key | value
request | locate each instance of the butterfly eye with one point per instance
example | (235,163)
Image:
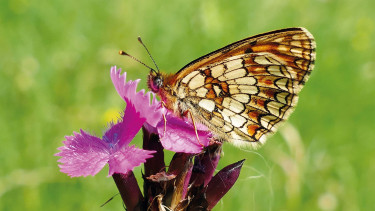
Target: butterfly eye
(158,82)
(155,83)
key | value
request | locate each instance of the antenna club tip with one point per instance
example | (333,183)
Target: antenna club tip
(139,39)
(121,52)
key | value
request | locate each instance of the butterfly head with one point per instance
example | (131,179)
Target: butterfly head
(155,81)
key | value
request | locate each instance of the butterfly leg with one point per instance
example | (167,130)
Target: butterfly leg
(195,128)
(164,118)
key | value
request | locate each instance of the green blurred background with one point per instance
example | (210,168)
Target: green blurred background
(55,58)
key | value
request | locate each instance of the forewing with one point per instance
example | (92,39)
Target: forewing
(287,43)
(244,90)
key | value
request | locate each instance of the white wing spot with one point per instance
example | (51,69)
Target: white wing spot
(226,114)
(226,102)
(201,92)
(297,52)
(239,73)
(274,107)
(243,98)
(237,120)
(297,37)
(275,70)
(266,121)
(282,97)
(283,48)
(197,81)
(282,84)
(236,106)
(187,78)
(248,89)
(217,71)
(292,72)
(233,89)
(234,64)
(217,90)
(246,80)
(296,43)
(208,105)
(261,60)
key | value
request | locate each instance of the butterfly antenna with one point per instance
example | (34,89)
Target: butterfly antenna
(140,40)
(135,59)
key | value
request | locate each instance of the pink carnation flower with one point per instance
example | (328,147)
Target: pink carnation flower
(175,134)
(84,154)
(186,184)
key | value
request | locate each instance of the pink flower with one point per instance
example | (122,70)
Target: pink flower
(175,134)
(127,90)
(84,154)
(179,136)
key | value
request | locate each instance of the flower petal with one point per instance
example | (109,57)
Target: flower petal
(126,158)
(124,131)
(222,182)
(112,136)
(179,136)
(82,155)
(131,124)
(152,112)
(205,165)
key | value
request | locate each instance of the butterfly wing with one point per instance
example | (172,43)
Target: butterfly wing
(246,89)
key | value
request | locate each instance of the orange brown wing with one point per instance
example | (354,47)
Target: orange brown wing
(279,42)
(244,90)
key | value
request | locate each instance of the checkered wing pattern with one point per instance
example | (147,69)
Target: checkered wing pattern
(243,91)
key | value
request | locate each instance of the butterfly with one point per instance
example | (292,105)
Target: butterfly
(243,91)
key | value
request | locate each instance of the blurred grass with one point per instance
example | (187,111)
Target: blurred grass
(54,73)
